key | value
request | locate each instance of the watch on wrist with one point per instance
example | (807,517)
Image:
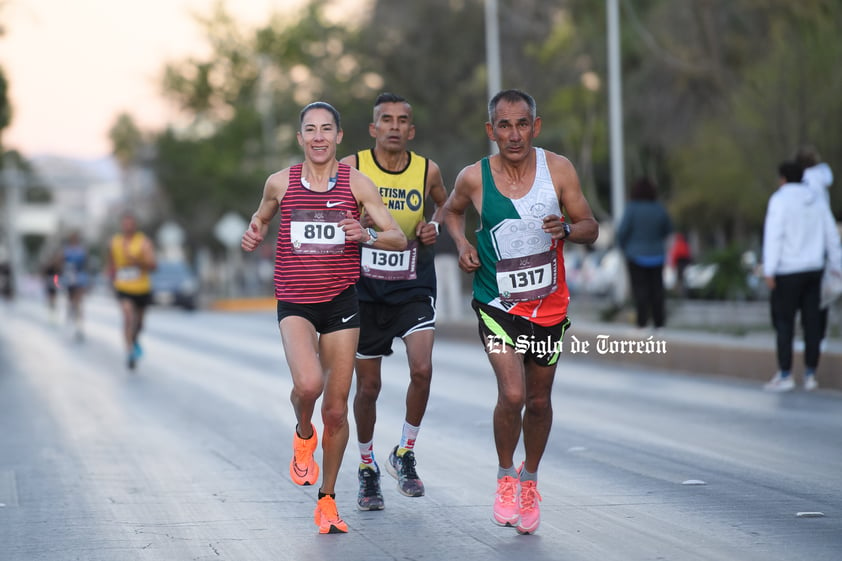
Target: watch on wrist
(436,226)
(566,227)
(372,236)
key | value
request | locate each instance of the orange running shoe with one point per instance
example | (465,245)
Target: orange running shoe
(303,467)
(327,517)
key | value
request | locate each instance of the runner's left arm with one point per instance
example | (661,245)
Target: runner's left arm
(390,236)
(428,232)
(583,226)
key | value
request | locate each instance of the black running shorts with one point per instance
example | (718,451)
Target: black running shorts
(381,323)
(343,312)
(499,330)
(139,300)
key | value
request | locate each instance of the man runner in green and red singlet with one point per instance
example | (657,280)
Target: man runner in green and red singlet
(520,293)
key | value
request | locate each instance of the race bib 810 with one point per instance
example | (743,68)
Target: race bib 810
(317,232)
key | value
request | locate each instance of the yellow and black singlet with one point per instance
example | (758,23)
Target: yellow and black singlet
(128,277)
(394,277)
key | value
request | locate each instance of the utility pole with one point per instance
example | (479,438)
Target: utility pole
(492,54)
(615,107)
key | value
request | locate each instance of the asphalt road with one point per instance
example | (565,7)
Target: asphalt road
(187,459)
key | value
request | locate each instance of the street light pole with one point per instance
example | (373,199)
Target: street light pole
(615,107)
(492,54)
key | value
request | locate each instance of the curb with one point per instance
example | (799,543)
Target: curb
(257,304)
(749,358)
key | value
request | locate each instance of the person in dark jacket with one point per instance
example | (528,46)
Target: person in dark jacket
(642,236)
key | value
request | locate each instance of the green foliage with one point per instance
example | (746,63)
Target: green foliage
(439,65)
(204,178)
(5,106)
(730,282)
(126,140)
(715,94)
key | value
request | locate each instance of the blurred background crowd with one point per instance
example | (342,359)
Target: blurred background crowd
(715,93)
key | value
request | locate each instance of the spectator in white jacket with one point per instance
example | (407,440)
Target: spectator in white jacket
(799,237)
(819,177)
(817,174)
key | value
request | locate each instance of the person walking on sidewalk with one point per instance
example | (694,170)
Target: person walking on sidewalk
(397,294)
(317,264)
(799,237)
(519,288)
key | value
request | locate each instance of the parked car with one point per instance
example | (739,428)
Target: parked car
(175,284)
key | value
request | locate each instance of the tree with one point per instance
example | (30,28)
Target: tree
(783,98)
(5,105)
(243,102)
(715,93)
(126,144)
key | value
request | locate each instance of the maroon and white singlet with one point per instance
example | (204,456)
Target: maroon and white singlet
(313,261)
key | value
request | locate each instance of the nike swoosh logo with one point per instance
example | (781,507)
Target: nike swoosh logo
(347,319)
(331,204)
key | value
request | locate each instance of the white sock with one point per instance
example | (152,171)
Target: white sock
(408,436)
(367,452)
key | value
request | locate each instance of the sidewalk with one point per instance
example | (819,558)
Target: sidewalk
(735,342)
(731,339)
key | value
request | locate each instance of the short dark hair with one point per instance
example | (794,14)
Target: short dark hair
(792,172)
(807,156)
(511,96)
(643,189)
(320,105)
(389,97)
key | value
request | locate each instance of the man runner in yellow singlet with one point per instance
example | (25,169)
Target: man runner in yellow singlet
(397,291)
(131,259)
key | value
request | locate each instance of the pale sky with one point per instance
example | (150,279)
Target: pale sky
(73,65)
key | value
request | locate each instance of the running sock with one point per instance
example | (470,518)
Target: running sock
(503,472)
(810,372)
(367,452)
(528,476)
(784,373)
(408,436)
(323,495)
(298,434)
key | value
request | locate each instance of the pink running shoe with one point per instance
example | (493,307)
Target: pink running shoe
(530,512)
(506,510)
